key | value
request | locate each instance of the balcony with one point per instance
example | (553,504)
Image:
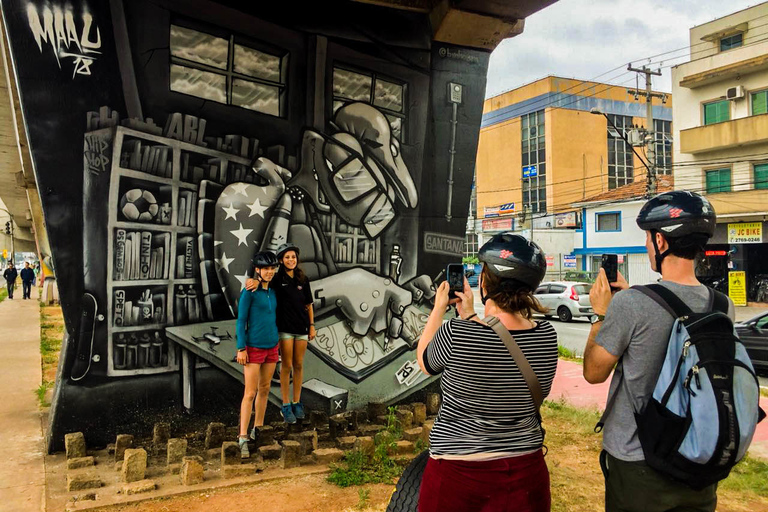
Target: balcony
(729,134)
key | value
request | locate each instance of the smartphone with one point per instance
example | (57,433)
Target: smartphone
(611,266)
(455,276)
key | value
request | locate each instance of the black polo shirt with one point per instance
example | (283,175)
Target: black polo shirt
(292,299)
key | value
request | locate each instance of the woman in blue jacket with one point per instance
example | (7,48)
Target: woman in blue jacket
(257,345)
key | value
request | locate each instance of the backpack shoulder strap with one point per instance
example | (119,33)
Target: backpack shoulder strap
(522,363)
(719,302)
(665,298)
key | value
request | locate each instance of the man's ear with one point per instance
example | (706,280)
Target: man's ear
(661,242)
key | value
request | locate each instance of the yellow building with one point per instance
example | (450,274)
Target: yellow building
(547,127)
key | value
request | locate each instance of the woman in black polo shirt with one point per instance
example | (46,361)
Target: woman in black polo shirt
(295,324)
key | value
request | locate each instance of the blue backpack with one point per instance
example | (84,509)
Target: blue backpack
(704,410)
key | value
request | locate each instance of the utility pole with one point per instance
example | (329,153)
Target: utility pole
(650,134)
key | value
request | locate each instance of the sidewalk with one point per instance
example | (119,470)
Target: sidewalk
(22,474)
(569,385)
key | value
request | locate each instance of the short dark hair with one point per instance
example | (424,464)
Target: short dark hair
(687,247)
(511,298)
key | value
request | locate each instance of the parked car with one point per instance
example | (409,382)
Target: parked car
(566,299)
(754,335)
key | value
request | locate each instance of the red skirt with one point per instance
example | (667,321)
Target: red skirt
(514,484)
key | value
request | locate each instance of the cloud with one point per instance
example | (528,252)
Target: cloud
(586,38)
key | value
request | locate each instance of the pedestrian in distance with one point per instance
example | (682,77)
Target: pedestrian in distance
(486,444)
(678,366)
(257,341)
(27,280)
(10,275)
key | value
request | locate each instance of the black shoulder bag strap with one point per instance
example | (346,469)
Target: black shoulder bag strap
(665,298)
(522,363)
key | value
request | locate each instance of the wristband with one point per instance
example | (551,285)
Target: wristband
(242,349)
(470,317)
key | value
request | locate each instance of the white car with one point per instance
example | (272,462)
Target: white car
(565,299)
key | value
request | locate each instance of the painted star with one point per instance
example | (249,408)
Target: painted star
(231,212)
(257,209)
(242,279)
(242,235)
(241,188)
(224,262)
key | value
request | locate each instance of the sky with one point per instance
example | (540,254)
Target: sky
(583,39)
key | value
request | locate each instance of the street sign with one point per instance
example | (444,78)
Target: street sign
(737,287)
(529,171)
(569,261)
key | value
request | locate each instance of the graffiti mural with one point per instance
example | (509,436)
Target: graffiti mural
(208,134)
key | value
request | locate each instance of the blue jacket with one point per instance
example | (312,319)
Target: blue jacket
(28,275)
(256,320)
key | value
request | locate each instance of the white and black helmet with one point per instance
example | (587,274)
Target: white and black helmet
(514,258)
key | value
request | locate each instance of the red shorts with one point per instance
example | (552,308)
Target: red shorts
(263,355)
(519,484)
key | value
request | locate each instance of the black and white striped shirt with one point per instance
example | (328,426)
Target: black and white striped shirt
(487,407)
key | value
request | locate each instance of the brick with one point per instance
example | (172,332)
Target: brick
(346,443)
(214,435)
(134,465)
(240,470)
(384,437)
(404,447)
(266,435)
(370,430)
(433,403)
(327,455)
(213,454)
(270,451)
(177,449)
(291,454)
(191,471)
(232,432)
(318,418)
(230,453)
(413,434)
(174,469)
(86,496)
(426,429)
(74,444)
(139,487)
(376,409)
(160,435)
(80,462)
(338,426)
(111,449)
(307,440)
(383,419)
(404,418)
(356,418)
(365,444)
(122,443)
(81,482)
(419,413)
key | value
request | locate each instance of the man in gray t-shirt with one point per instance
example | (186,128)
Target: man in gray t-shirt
(632,328)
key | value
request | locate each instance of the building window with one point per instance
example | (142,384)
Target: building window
(718,180)
(759,102)
(663,146)
(384,94)
(717,112)
(225,71)
(470,245)
(620,157)
(761,176)
(534,158)
(608,221)
(730,42)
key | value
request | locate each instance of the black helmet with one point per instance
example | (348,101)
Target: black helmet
(677,214)
(284,249)
(265,259)
(513,257)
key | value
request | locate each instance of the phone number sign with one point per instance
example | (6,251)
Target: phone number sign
(745,233)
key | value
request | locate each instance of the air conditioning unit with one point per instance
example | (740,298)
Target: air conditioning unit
(734,93)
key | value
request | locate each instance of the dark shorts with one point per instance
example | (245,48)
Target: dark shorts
(519,484)
(635,487)
(263,355)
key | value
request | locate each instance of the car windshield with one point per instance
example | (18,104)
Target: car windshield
(582,289)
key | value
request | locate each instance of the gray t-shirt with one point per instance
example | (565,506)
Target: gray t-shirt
(638,329)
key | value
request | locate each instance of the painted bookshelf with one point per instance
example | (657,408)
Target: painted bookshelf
(171,171)
(349,245)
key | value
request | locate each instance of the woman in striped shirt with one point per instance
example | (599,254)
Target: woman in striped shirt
(486,444)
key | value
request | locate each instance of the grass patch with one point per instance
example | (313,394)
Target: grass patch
(3,294)
(568,354)
(51,336)
(764,392)
(41,391)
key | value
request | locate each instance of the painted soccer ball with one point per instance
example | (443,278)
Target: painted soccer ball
(138,204)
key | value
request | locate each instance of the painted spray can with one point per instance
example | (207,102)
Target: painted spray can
(276,233)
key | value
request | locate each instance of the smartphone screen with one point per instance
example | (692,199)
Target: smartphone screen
(455,276)
(611,266)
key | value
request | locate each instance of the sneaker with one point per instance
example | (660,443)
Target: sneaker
(243,442)
(255,433)
(287,412)
(298,410)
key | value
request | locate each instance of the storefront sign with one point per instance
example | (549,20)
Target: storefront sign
(438,243)
(490,211)
(565,220)
(502,209)
(620,258)
(569,261)
(550,261)
(497,224)
(530,171)
(715,253)
(745,233)
(507,208)
(737,287)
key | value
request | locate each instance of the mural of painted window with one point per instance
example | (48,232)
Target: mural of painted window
(387,95)
(227,71)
